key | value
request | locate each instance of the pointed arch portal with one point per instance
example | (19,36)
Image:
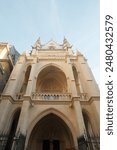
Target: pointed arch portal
(51,79)
(51,133)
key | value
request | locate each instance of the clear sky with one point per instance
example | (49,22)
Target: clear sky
(23,21)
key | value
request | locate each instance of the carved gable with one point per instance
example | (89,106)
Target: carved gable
(51,45)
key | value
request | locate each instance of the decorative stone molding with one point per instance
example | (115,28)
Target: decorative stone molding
(51,96)
(91,100)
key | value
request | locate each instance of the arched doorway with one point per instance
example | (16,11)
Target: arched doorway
(51,133)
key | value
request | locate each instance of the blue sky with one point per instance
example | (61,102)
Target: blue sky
(23,21)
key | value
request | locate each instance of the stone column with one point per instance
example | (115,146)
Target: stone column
(80,84)
(76,106)
(90,86)
(79,116)
(88,81)
(81,126)
(22,126)
(31,80)
(82,143)
(72,85)
(5,106)
(15,77)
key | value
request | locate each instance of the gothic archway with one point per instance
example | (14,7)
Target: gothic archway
(51,79)
(51,133)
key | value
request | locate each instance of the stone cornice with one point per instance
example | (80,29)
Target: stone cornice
(11,99)
(54,102)
(91,100)
(49,102)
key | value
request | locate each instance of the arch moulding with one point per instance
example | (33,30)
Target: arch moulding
(57,113)
(50,64)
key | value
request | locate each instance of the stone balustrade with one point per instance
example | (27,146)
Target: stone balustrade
(51,96)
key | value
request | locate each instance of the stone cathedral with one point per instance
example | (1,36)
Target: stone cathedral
(50,101)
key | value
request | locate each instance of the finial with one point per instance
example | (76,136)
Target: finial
(37,44)
(65,43)
(65,40)
(78,52)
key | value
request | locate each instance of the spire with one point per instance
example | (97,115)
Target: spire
(37,44)
(66,43)
(78,52)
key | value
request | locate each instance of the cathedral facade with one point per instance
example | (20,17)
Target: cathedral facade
(50,102)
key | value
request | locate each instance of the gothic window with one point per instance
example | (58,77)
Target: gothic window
(76,79)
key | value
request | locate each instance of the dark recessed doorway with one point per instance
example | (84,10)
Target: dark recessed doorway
(51,145)
(51,133)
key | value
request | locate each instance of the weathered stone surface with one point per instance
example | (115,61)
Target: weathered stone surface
(57,96)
